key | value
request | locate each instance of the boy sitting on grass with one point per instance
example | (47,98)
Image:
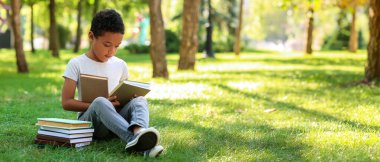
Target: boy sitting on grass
(131,122)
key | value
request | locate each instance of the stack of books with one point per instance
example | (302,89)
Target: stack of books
(64,132)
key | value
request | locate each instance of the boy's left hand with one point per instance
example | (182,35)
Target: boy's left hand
(114,101)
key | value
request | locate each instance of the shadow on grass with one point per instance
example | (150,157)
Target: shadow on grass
(216,142)
(222,139)
(313,61)
(329,77)
(311,113)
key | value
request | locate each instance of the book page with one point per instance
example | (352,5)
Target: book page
(138,84)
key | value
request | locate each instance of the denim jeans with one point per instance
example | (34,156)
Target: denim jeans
(107,121)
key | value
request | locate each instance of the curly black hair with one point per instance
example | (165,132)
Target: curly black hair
(107,20)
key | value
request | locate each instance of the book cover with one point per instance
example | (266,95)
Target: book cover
(63,123)
(95,86)
(55,143)
(127,89)
(67,131)
(92,86)
(63,135)
(64,140)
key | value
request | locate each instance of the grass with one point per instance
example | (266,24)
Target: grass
(216,113)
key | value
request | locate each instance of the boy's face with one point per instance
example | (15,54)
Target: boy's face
(104,46)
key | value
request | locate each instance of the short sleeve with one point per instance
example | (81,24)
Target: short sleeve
(72,70)
(124,75)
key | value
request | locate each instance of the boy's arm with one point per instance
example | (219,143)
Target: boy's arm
(68,92)
(69,103)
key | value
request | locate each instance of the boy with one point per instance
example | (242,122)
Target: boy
(130,123)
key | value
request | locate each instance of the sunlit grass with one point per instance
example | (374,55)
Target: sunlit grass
(215,113)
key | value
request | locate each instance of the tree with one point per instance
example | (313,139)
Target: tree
(353,45)
(352,5)
(31,4)
(310,27)
(237,36)
(96,7)
(79,31)
(231,18)
(157,45)
(53,34)
(209,27)
(373,63)
(22,65)
(189,36)
(311,6)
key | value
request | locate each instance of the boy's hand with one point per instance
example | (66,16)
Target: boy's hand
(134,96)
(114,101)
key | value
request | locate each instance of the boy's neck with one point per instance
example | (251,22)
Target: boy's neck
(91,56)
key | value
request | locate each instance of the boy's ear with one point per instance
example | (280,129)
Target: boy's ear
(91,35)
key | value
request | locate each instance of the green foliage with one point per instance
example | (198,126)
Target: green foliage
(222,46)
(64,35)
(361,42)
(172,44)
(172,41)
(137,48)
(339,40)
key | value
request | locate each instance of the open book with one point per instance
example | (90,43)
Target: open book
(94,86)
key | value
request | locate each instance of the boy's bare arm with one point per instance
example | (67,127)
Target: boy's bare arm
(70,104)
(68,101)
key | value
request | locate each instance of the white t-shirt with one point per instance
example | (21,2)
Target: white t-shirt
(114,69)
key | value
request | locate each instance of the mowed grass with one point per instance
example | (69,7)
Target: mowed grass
(216,113)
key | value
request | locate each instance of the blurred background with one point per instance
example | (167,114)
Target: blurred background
(279,25)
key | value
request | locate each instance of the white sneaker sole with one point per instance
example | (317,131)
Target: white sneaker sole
(156,151)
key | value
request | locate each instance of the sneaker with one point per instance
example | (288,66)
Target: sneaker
(144,140)
(154,152)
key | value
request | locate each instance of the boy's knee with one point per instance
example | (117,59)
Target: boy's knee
(140,101)
(140,98)
(102,104)
(100,100)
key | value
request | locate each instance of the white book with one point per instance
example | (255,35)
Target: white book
(81,140)
(63,135)
(67,131)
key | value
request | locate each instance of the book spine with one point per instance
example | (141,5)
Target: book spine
(67,131)
(57,124)
(53,138)
(63,135)
(55,143)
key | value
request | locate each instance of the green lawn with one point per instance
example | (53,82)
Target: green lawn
(216,113)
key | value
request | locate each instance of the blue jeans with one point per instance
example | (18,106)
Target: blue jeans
(107,121)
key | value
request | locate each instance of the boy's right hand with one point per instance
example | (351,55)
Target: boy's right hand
(114,101)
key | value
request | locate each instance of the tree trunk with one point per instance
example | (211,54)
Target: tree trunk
(53,30)
(232,22)
(232,16)
(95,9)
(208,43)
(189,35)
(353,46)
(309,42)
(22,65)
(238,30)
(157,45)
(79,33)
(373,64)
(32,28)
